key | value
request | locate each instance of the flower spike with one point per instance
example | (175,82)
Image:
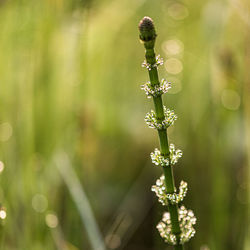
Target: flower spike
(176,226)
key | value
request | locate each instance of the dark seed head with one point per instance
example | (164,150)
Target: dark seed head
(147,29)
(146,24)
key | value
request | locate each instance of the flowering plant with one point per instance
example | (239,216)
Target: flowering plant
(176,226)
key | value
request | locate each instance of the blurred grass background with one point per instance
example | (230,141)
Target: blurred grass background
(70,80)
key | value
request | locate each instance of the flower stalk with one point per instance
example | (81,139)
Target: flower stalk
(176,226)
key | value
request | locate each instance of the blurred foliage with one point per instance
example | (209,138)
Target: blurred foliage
(70,80)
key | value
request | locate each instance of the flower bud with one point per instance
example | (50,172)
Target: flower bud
(147,29)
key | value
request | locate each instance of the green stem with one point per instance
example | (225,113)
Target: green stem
(168,171)
(179,247)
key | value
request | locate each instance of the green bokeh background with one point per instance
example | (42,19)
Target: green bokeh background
(70,76)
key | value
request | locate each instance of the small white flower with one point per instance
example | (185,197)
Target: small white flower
(153,122)
(159,160)
(165,198)
(156,90)
(186,219)
(159,61)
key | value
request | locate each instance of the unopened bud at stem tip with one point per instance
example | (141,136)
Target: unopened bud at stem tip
(147,29)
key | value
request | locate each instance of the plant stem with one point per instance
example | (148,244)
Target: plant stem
(149,40)
(168,171)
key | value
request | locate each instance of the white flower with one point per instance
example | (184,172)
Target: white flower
(165,198)
(159,61)
(156,90)
(186,219)
(159,160)
(153,122)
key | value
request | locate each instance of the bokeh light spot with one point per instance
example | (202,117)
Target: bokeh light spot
(172,47)
(178,11)
(5,131)
(51,220)
(3,213)
(39,203)
(173,66)
(230,99)
(1,167)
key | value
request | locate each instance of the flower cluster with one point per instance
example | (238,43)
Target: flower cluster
(175,198)
(165,198)
(187,221)
(160,190)
(159,160)
(156,90)
(175,154)
(153,122)
(159,61)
